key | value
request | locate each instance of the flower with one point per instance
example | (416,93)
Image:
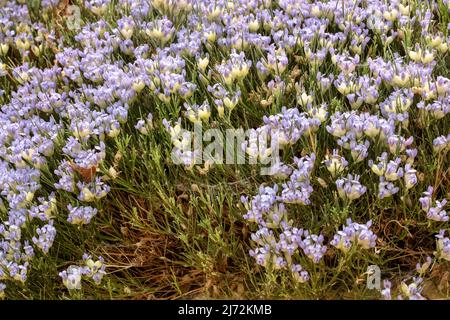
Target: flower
(2,290)
(397,144)
(350,188)
(236,68)
(94,269)
(393,170)
(386,291)
(299,274)
(410,176)
(441,143)
(319,113)
(45,237)
(359,151)
(3,70)
(442,246)
(203,63)
(196,113)
(80,215)
(423,268)
(72,277)
(313,246)
(335,164)
(126,27)
(160,30)
(386,189)
(436,213)
(413,290)
(67,100)
(359,234)
(425,201)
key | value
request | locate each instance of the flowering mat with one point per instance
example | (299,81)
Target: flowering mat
(277,149)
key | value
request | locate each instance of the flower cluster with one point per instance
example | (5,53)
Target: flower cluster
(324,75)
(411,291)
(377,125)
(350,188)
(80,215)
(436,213)
(45,237)
(184,152)
(278,241)
(354,234)
(94,270)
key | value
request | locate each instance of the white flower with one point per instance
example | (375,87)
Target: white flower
(72,277)
(203,63)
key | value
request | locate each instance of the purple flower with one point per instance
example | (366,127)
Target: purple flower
(313,246)
(359,234)
(441,143)
(397,144)
(296,192)
(386,291)
(437,213)
(80,215)
(413,290)
(386,189)
(350,188)
(442,246)
(72,277)
(410,176)
(393,170)
(94,269)
(45,237)
(426,199)
(299,274)
(423,268)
